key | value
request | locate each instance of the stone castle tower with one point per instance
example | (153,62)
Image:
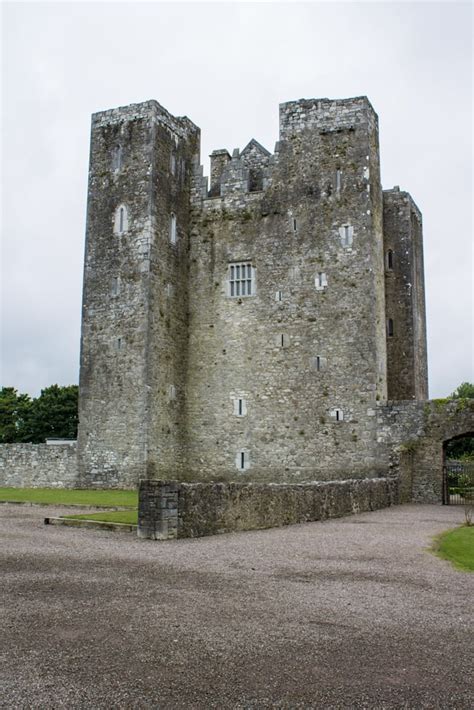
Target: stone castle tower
(248,329)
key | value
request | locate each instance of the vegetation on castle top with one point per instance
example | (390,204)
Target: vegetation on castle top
(54,414)
(67,496)
(457,546)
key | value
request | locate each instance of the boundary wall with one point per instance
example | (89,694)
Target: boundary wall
(169,509)
(38,465)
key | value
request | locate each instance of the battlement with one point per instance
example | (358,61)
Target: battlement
(326,114)
(182,126)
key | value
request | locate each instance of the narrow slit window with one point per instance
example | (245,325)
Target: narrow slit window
(390,327)
(241,280)
(173,228)
(119,343)
(321,281)
(242,460)
(239,407)
(279,296)
(115,286)
(318,363)
(390,260)
(295,225)
(121,220)
(117,157)
(338,180)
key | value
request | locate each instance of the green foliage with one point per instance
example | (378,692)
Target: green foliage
(461,449)
(69,496)
(464,391)
(14,416)
(52,414)
(458,547)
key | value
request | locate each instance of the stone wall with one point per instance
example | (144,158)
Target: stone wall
(169,509)
(413,436)
(38,465)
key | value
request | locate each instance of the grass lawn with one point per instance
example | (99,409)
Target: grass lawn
(66,496)
(458,547)
(118,516)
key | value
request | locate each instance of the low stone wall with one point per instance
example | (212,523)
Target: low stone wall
(168,509)
(37,465)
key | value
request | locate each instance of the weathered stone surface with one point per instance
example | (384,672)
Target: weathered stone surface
(171,509)
(166,349)
(37,465)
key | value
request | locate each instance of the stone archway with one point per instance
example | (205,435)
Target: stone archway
(417,435)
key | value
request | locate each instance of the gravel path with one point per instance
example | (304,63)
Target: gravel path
(348,613)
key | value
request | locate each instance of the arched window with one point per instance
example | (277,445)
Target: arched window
(173,228)
(121,220)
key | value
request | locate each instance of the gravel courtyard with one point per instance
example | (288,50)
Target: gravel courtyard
(348,613)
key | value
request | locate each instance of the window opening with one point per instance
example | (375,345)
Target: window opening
(119,343)
(279,296)
(173,228)
(338,180)
(390,327)
(241,280)
(115,286)
(390,260)
(321,280)
(346,233)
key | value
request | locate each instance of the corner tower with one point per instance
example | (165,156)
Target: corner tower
(133,341)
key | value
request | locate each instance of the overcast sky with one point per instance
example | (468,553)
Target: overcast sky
(227,66)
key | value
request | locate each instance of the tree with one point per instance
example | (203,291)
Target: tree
(462,448)
(52,414)
(464,391)
(14,416)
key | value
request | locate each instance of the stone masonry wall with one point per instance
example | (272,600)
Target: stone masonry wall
(168,509)
(38,465)
(306,351)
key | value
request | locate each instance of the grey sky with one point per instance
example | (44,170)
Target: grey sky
(227,66)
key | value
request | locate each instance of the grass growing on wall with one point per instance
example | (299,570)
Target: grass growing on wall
(457,546)
(66,496)
(130,517)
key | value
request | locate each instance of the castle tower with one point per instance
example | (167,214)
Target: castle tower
(287,356)
(133,345)
(405,297)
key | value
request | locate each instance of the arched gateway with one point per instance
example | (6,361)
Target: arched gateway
(415,436)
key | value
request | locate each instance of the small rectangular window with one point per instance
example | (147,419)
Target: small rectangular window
(295,225)
(338,180)
(118,343)
(279,296)
(390,327)
(115,286)
(241,280)
(320,281)
(240,407)
(242,460)
(390,260)
(346,232)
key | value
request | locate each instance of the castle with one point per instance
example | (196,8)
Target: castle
(252,328)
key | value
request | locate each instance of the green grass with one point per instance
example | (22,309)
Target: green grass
(64,496)
(458,547)
(119,516)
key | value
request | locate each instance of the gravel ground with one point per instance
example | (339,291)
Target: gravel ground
(348,613)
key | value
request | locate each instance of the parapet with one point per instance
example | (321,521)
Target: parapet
(397,197)
(179,125)
(327,115)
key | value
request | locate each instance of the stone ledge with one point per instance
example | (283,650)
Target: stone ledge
(93,524)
